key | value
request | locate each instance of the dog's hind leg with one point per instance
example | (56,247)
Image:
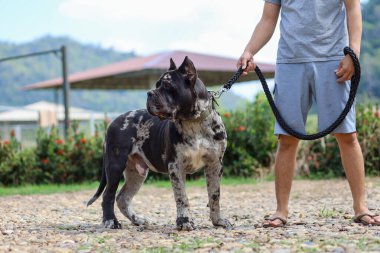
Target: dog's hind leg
(135,175)
(114,170)
(213,173)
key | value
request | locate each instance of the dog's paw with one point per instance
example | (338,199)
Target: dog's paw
(185,223)
(139,220)
(113,224)
(222,222)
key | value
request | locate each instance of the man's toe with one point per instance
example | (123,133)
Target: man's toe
(377,219)
(276,222)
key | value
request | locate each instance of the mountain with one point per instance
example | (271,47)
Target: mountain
(17,73)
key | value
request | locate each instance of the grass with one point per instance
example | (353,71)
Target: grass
(46,189)
(54,188)
(189,245)
(326,213)
(202,182)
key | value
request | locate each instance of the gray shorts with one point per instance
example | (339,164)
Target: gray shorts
(298,84)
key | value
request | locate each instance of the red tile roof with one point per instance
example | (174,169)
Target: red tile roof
(141,71)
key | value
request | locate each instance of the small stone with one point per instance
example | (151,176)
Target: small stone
(281,251)
(68,242)
(339,250)
(299,222)
(350,249)
(7,232)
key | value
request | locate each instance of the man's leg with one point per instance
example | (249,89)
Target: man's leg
(352,160)
(293,98)
(285,164)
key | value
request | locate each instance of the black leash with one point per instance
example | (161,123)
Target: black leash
(354,87)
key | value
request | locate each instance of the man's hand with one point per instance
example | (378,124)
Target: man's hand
(246,62)
(345,70)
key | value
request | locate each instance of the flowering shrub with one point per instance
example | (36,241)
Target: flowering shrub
(322,158)
(53,160)
(14,163)
(250,140)
(250,150)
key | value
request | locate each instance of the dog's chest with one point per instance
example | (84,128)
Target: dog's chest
(195,153)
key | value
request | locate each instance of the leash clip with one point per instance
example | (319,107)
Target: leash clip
(217,94)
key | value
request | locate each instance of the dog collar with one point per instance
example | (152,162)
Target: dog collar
(204,114)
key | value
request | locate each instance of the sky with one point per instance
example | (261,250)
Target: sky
(221,27)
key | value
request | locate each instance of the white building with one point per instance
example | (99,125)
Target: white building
(26,120)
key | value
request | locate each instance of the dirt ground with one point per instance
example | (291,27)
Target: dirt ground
(320,221)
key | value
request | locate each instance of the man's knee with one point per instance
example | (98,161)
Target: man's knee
(287,142)
(348,139)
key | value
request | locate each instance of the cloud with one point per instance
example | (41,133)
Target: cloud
(215,26)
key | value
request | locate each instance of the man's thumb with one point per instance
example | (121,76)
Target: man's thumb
(244,65)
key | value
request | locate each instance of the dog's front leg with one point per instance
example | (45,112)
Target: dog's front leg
(177,178)
(213,173)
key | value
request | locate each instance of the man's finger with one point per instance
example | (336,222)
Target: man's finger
(250,65)
(344,77)
(245,62)
(339,73)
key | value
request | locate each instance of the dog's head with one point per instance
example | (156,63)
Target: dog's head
(179,93)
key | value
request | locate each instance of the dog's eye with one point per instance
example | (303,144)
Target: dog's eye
(166,84)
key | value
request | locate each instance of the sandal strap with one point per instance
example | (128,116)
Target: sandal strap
(360,216)
(284,221)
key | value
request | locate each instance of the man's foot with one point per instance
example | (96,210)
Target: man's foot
(367,219)
(275,221)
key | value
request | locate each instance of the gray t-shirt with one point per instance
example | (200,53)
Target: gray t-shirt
(311,30)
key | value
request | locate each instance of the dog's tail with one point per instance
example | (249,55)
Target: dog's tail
(102,185)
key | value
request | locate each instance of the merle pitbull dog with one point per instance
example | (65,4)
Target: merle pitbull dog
(179,134)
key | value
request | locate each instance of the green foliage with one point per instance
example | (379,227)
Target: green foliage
(368,126)
(371,49)
(322,157)
(53,160)
(250,139)
(16,165)
(250,150)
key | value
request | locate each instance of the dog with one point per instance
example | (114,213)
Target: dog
(179,133)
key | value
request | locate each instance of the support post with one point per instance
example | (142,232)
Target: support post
(66,91)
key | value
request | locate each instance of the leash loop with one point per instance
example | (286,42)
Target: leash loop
(355,80)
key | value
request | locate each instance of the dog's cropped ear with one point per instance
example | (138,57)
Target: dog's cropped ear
(172,65)
(188,70)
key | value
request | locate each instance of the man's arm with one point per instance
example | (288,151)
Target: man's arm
(346,69)
(261,35)
(354,24)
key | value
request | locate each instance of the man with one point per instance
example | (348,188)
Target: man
(311,64)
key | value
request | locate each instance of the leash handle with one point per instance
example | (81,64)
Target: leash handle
(355,80)
(354,86)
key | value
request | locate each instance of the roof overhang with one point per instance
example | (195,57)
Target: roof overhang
(142,73)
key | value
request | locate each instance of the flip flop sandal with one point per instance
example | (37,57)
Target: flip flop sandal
(283,222)
(359,219)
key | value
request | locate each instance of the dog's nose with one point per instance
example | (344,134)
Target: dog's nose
(150,93)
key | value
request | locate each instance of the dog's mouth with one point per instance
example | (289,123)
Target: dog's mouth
(155,108)
(166,115)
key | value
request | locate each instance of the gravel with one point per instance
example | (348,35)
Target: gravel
(320,221)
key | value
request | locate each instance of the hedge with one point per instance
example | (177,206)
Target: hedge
(250,150)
